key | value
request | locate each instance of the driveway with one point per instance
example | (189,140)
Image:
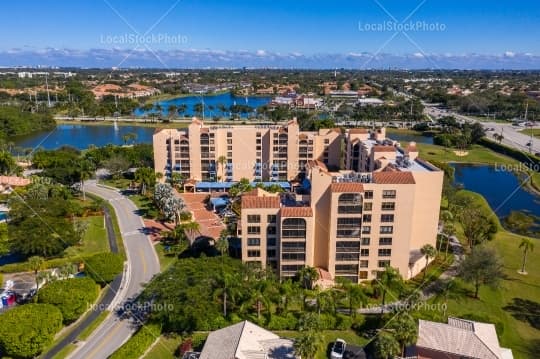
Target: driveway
(143,264)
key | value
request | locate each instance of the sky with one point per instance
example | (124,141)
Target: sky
(272,33)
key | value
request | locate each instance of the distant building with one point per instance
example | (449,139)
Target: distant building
(246,340)
(458,339)
(370,101)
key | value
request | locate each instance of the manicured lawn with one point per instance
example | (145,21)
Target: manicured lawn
(65,351)
(145,205)
(120,183)
(95,239)
(329,337)
(165,347)
(516,304)
(476,154)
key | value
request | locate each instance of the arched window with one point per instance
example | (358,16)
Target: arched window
(293,228)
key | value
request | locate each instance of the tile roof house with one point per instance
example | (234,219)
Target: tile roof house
(246,340)
(458,339)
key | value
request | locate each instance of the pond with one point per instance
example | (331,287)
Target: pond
(501,188)
(215,105)
(405,137)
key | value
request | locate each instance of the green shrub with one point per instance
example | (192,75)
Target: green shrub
(277,322)
(135,347)
(27,329)
(104,267)
(72,296)
(343,322)
(197,340)
(327,321)
(185,216)
(358,322)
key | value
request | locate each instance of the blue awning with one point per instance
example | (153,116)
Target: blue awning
(227,185)
(218,202)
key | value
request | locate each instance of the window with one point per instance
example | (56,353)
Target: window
(271,253)
(368,206)
(270,242)
(346,256)
(366,229)
(258,141)
(346,268)
(229,134)
(254,253)
(350,203)
(229,154)
(291,269)
(348,227)
(293,256)
(368,194)
(388,206)
(366,218)
(258,134)
(343,246)
(254,230)
(362,274)
(326,141)
(271,218)
(389,193)
(364,252)
(385,252)
(254,218)
(293,246)
(384,264)
(365,241)
(385,241)
(229,141)
(387,229)
(229,148)
(254,242)
(293,228)
(387,218)
(271,230)
(364,263)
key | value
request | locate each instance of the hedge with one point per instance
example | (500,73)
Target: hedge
(104,267)
(72,296)
(135,347)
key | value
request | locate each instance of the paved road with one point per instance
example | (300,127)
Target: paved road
(142,265)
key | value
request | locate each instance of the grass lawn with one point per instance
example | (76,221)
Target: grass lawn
(165,347)
(95,238)
(164,260)
(535,132)
(476,154)
(329,337)
(515,305)
(145,205)
(65,351)
(120,183)
(90,329)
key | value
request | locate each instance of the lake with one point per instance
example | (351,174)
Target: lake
(82,136)
(405,137)
(500,188)
(212,104)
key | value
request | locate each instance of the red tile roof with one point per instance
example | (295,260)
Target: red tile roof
(296,212)
(260,202)
(381,148)
(347,187)
(393,178)
(358,130)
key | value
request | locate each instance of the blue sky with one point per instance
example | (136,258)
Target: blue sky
(263,27)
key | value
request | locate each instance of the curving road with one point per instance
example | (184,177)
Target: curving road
(143,264)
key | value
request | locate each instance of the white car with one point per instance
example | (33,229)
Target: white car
(338,349)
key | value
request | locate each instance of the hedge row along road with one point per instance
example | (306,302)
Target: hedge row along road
(143,264)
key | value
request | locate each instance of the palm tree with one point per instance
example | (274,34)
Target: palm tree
(389,279)
(288,291)
(85,171)
(191,228)
(528,245)
(35,264)
(404,330)
(172,111)
(222,160)
(222,245)
(428,251)
(307,344)
(227,290)
(308,275)
(146,177)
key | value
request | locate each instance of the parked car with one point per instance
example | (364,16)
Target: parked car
(338,349)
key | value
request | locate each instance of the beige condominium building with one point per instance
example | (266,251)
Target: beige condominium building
(230,153)
(377,211)
(359,203)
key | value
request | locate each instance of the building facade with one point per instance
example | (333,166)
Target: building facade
(230,153)
(377,212)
